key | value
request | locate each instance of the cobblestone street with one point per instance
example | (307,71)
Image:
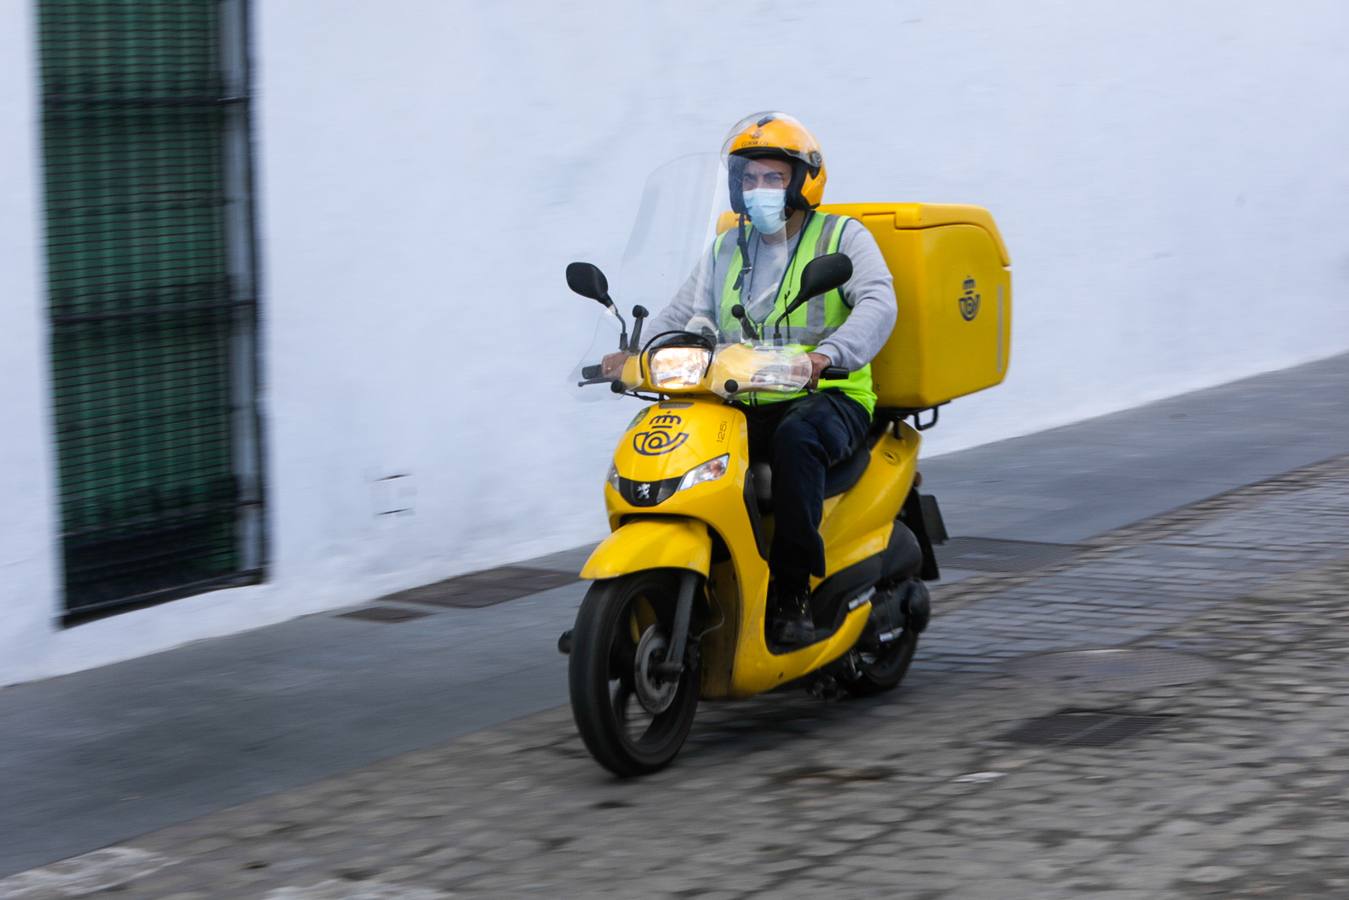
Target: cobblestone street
(1209,759)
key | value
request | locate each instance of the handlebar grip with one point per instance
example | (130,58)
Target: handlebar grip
(594,371)
(833,373)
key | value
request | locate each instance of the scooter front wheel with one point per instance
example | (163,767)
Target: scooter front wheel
(632,720)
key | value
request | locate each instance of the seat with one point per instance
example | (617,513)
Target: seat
(837,480)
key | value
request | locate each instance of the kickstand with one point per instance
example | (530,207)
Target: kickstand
(824,687)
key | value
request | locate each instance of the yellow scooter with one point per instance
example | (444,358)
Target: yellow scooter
(679,605)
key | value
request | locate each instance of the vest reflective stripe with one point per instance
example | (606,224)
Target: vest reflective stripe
(808,325)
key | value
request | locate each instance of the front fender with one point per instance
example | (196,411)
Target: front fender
(651,543)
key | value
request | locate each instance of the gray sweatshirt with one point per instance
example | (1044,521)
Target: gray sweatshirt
(870,293)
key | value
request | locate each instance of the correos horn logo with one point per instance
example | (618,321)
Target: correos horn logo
(969,301)
(663,436)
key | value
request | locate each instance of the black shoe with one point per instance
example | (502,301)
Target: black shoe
(794,627)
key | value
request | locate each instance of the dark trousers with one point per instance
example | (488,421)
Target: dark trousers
(801,439)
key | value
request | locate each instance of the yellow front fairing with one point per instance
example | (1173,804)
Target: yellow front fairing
(668,439)
(664,442)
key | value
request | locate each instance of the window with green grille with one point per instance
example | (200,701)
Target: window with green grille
(152,301)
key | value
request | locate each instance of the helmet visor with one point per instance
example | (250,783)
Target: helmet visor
(773,134)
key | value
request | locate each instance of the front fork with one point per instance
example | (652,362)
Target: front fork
(673,664)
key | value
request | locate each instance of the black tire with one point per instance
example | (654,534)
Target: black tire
(883,669)
(602,675)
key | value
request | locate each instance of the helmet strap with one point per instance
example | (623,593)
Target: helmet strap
(742,241)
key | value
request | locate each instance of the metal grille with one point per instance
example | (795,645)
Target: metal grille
(1115,668)
(1084,728)
(485,588)
(995,555)
(151,297)
(385,614)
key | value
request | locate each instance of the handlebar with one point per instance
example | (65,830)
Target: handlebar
(594,374)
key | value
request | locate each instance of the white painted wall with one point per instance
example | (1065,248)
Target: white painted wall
(28,566)
(1169,177)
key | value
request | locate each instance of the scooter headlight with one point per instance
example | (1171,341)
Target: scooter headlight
(613,476)
(678,367)
(708,471)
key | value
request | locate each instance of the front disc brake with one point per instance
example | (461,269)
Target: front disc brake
(654,693)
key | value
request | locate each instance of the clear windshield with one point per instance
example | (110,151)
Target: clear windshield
(683,203)
(668,268)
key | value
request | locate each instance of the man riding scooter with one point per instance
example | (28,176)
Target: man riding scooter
(744,285)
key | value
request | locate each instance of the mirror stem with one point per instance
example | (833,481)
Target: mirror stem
(746,328)
(622,324)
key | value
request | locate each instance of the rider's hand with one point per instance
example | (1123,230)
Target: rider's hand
(818,363)
(612,365)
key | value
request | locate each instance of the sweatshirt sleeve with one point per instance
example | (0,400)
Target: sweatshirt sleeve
(871,294)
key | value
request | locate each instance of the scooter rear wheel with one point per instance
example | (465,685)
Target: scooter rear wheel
(886,669)
(881,669)
(632,722)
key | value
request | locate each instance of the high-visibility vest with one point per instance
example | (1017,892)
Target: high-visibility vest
(809,324)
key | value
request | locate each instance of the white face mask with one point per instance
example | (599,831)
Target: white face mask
(767,208)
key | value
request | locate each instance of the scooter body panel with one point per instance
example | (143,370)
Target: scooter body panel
(758,669)
(859,524)
(659,526)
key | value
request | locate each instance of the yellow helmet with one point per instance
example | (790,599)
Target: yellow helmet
(777,135)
